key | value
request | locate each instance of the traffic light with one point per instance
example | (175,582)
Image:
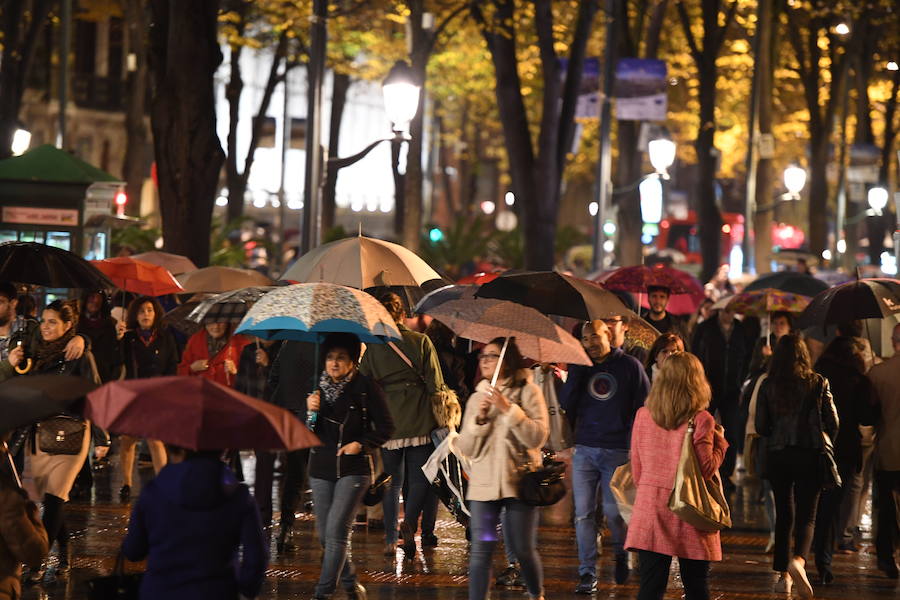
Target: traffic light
(121,201)
(435,235)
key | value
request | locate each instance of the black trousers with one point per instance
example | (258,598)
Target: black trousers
(730,417)
(887,508)
(828,515)
(291,488)
(796,483)
(654,569)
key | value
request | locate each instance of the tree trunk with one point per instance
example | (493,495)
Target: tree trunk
(818,190)
(629,200)
(184,55)
(340,83)
(22,23)
(890,131)
(233,90)
(765,170)
(136,133)
(709,217)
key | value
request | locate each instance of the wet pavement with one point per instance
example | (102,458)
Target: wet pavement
(98,525)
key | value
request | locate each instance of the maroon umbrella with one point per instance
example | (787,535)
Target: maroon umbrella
(195,413)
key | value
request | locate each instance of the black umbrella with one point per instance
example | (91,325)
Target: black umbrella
(787,281)
(26,400)
(410,294)
(863,299)
(40,264)
(444,294)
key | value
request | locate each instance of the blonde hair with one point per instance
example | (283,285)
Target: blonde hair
(679,391)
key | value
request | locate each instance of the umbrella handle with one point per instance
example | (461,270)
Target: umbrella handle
(499,362)
(12,465)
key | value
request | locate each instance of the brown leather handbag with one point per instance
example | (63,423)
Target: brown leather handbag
(61,435)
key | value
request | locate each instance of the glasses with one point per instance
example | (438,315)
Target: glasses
(612,321)
(488,357)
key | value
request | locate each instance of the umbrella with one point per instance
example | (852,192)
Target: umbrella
(175,264)
(687,292)
(410,294)
(445,294)
(863,299)
(227,307)
(221,279)
(483,319)
(787,281)
(195,413)
(762,302)
(26,400)
(40,264)
(138,277)
(361,262)
(478,278)
(177,318)
(308,311)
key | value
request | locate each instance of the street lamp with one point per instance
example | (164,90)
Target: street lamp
(878,199)
(662,155)
(20,142)
(794,180)
(651,190)
(401,96)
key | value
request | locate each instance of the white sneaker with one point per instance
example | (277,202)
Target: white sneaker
(784,584)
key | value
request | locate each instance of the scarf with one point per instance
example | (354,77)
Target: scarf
(332,389)
(147,336)
(52,352)
(215,345)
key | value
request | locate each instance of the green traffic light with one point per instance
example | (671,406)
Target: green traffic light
(435,235)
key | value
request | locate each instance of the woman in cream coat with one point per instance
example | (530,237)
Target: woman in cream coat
(504,429)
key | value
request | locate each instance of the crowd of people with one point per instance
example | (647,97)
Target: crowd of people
(769,405)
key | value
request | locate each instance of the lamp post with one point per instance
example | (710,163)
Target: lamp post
(21,141)
(794,181)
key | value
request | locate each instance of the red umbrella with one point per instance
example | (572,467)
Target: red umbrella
(138,277)
(478,278)
(687,292)
(195,413)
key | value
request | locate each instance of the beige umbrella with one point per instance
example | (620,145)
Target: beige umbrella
(221,279)
(175,264)
(361,262)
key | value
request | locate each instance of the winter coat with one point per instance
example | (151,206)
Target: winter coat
(505,443)
(796,424)
(22,539)
(104,345)
(655,453)
(885,379)
(408,391)
(360,414)
(189,523)
(724,360)
(156,359)
(196,350)
(854,400)
(293,376)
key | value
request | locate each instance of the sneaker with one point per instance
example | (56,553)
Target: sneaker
(847,548)
(587,584)
(801,581)
(510,577)
(784,584)
(622,571)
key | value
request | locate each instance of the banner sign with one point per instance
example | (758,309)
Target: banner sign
(588,103)
(25,215)
(640,90)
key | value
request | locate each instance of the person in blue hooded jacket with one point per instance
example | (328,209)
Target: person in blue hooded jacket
(189,523)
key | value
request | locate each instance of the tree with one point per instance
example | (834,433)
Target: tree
(137,136)
(21,24)
(536,169)
(184,55)
(715,18)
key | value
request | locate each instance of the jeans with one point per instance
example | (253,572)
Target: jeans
(887,505)
(655,576)
(796,483)
(521,535)
(730,417)
(592,468)
(400,464)
(334,505)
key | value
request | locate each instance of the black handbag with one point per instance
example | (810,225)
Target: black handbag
(544,486)
(377,487)
(116,586)
(829,475)
(61,435)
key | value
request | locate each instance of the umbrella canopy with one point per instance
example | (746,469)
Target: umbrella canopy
(478,278)
(788,281)
(537,337)
(175,264)
(686,290)
(409,294)
(40,264)
(221,279)
(361,262)
(309,311)
(863,299)
(177,318)
(445,294)
(138,277)
(761,302)
(26,400)
(195,413)
(227,307)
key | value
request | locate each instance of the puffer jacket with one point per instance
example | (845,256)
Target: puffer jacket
(796,424)
(22,539)
(501,446)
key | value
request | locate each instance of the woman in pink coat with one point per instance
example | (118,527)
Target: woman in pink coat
(680,392)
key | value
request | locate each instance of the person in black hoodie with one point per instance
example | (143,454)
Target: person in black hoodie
(189,523)
(148,350)
(97,324)
(352,420)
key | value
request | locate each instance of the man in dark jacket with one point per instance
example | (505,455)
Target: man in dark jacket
(601,401)
(657,315)
(721,346)
(189,524)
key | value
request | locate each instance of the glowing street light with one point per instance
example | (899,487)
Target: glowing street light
(401,95)
(662,155)
(794,180)
(651,200)
(878,199)
(20,142)
(893,66)
(842,29)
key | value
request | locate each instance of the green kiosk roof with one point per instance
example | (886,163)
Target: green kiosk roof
(49,164)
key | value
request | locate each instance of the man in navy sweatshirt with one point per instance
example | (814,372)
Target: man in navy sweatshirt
(601,401)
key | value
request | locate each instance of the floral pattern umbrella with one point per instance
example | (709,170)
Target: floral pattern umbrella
(687,291)
(761,302)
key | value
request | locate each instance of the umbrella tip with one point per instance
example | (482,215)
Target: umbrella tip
(359,223)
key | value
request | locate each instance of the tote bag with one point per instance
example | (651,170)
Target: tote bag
(695,500)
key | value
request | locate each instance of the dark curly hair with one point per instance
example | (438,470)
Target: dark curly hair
(135,307)
(67,310)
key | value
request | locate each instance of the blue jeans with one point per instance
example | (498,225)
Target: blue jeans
(592,468)
(334,505)
(400,463)
(520,532)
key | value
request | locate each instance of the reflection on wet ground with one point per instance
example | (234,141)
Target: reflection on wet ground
(98,525)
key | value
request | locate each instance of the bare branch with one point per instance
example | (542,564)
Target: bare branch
(686,27)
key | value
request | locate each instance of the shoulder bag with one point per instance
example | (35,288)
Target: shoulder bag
(444,404)
(377,485)
(544,486)
(61,435)
(623,490)
(754,454)
(695,500)
(116,586)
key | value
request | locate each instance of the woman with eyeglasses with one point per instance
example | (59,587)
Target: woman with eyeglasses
(504,428)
